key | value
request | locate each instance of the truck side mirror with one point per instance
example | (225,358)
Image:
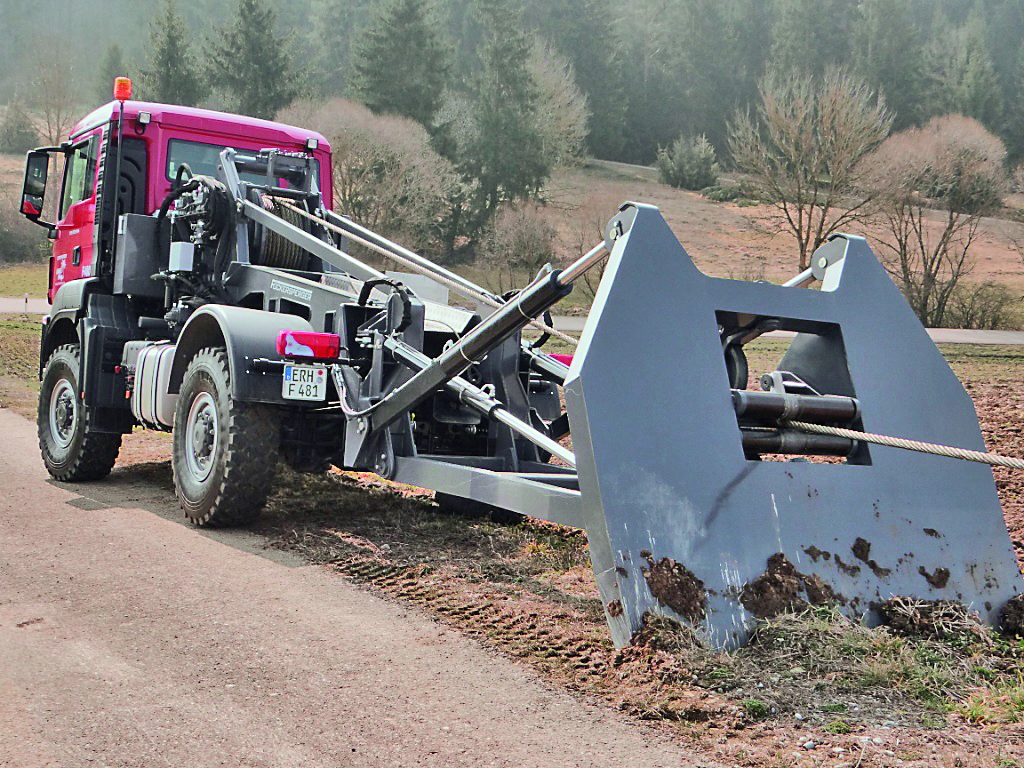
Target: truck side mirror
(33,192)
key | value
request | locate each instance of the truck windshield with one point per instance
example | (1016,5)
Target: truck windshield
(202,159)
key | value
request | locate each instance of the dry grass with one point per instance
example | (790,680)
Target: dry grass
(18,279)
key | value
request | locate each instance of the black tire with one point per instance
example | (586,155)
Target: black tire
(72,450)
(460,506)
(225,452)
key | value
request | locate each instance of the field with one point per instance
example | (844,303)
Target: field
(812,689)
(856,696)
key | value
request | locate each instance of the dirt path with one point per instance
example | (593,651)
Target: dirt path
(130,640)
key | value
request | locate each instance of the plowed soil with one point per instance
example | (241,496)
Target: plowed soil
(527,590)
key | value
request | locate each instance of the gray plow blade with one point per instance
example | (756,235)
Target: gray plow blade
(682,524)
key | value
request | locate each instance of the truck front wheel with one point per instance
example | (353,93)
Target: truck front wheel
(225,452)
(72,450)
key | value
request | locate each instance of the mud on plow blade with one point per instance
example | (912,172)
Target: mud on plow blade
(690,510)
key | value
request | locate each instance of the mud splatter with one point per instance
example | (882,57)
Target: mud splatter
(849,570)
(937,578)
(933,533)
(862,551)
(814,553)
(783,588)
(677,587)
(614,608)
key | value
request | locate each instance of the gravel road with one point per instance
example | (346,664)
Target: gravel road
(130,639)
(574,324)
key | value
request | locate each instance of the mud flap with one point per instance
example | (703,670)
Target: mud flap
(682,523)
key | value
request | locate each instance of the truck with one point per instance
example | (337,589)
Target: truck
(201,283)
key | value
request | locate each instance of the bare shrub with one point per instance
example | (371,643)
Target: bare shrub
(804,148)
(690,163)
(17,134)
(588,229)
(986,306)
(952,165)
(20,239)
(387,176)
(516,244)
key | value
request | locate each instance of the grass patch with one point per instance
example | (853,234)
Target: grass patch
(1000,704)
(938,673)
(756,709)
(18,279)
(19,347)
(838,727)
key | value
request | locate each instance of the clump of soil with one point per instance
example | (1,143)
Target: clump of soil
(674,585)
(658,633)
(783,588)
(1011,620)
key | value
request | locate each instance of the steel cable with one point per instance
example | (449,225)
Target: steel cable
(981,457)
(450,284)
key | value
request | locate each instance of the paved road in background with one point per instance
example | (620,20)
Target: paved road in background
(35,306)
(128,638)
(939,335)
(575,325)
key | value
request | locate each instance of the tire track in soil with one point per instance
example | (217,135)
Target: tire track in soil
(509,628)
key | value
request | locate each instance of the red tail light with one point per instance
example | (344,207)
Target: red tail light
(309,345)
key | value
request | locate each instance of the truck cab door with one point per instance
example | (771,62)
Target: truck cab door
(75,241)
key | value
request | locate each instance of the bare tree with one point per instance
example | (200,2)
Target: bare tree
(935,183)
(54,89)
(804,147)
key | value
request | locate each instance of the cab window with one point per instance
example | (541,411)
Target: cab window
(204,158)
(80,175)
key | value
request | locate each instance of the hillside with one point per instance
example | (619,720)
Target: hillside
(724,239)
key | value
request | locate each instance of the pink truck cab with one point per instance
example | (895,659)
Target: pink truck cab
(158,140)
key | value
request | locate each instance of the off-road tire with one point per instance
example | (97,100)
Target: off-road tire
(71,448)
(222,473)
(459,506)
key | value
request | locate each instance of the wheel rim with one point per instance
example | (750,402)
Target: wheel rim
(63,411)
(201,437)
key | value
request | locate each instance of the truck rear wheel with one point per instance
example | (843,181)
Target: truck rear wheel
(72,450)
(225,452)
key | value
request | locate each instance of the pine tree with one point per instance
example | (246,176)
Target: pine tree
(1013,117)
(334,27)
(573,26)
(655,103)
(172,76)
(250,64)
(401,66)
(888,54)
(112,66)
(707,52)
(964,80)
(505,157)
(809,35)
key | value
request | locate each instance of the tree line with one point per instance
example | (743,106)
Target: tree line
(650,70)
(468,105)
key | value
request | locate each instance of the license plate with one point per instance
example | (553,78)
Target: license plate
(304,382)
